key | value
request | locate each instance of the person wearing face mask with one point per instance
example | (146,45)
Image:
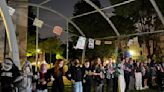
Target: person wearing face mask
(56,76)
(87,77)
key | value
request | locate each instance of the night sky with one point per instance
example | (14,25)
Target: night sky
(65,7)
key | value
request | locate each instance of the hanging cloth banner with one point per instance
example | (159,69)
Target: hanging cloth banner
(81,43)
(58,30)
(11,10)
(91,43)
(108,42)
(38,23)
(98,42)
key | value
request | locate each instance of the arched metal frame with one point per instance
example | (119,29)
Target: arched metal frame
(102,13)
(61,15)
(69,20)
(12,37)
(10,30)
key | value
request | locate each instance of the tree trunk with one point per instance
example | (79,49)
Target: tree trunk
(148,47)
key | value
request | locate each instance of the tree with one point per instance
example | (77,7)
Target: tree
(52,45)
(144,18)
(49,45)
(93,26)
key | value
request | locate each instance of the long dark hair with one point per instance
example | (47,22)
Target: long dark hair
(56,69)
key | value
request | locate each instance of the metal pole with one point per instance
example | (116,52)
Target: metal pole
(103,15)
(109,7)
(50,59)
(59,14)
(37,30)
(67,48)
(83,53)
(135,34)
(5,40)
(157,10)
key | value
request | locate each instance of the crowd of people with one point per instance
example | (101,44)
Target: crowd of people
(102,76)
(122,76)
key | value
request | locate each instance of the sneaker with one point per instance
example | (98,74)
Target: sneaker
(140,88)
(146,87)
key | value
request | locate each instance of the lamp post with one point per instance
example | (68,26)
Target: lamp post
(67,47)
(37,34)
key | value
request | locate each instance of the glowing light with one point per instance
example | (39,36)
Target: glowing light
(114,61)
(107,61)
(38,50)
(58,56)
(132,53)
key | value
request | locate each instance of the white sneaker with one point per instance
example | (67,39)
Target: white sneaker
(146,87)
(137,88)
(140,88)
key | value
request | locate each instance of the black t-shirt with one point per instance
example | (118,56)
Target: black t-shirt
(127,65)
(138,69)
(86,76)
(76,73)
(42,76)
(97,78)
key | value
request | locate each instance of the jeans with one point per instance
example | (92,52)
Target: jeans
(77,87)
(45,90)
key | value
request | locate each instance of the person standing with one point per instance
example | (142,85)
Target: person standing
(132,79)
(127,73)
(76,77)
(10,76)
(109,74)
(87,77)
(56,76)
(138,77)
(121,80)
(98,76)
(160,76)
(42,79)
(27,78)
(146,76)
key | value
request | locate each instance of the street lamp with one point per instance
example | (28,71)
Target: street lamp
(38,50)
(131,52)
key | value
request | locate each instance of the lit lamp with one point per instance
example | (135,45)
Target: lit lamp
(114,61)
(107,61)
(131,52)
(38,50)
